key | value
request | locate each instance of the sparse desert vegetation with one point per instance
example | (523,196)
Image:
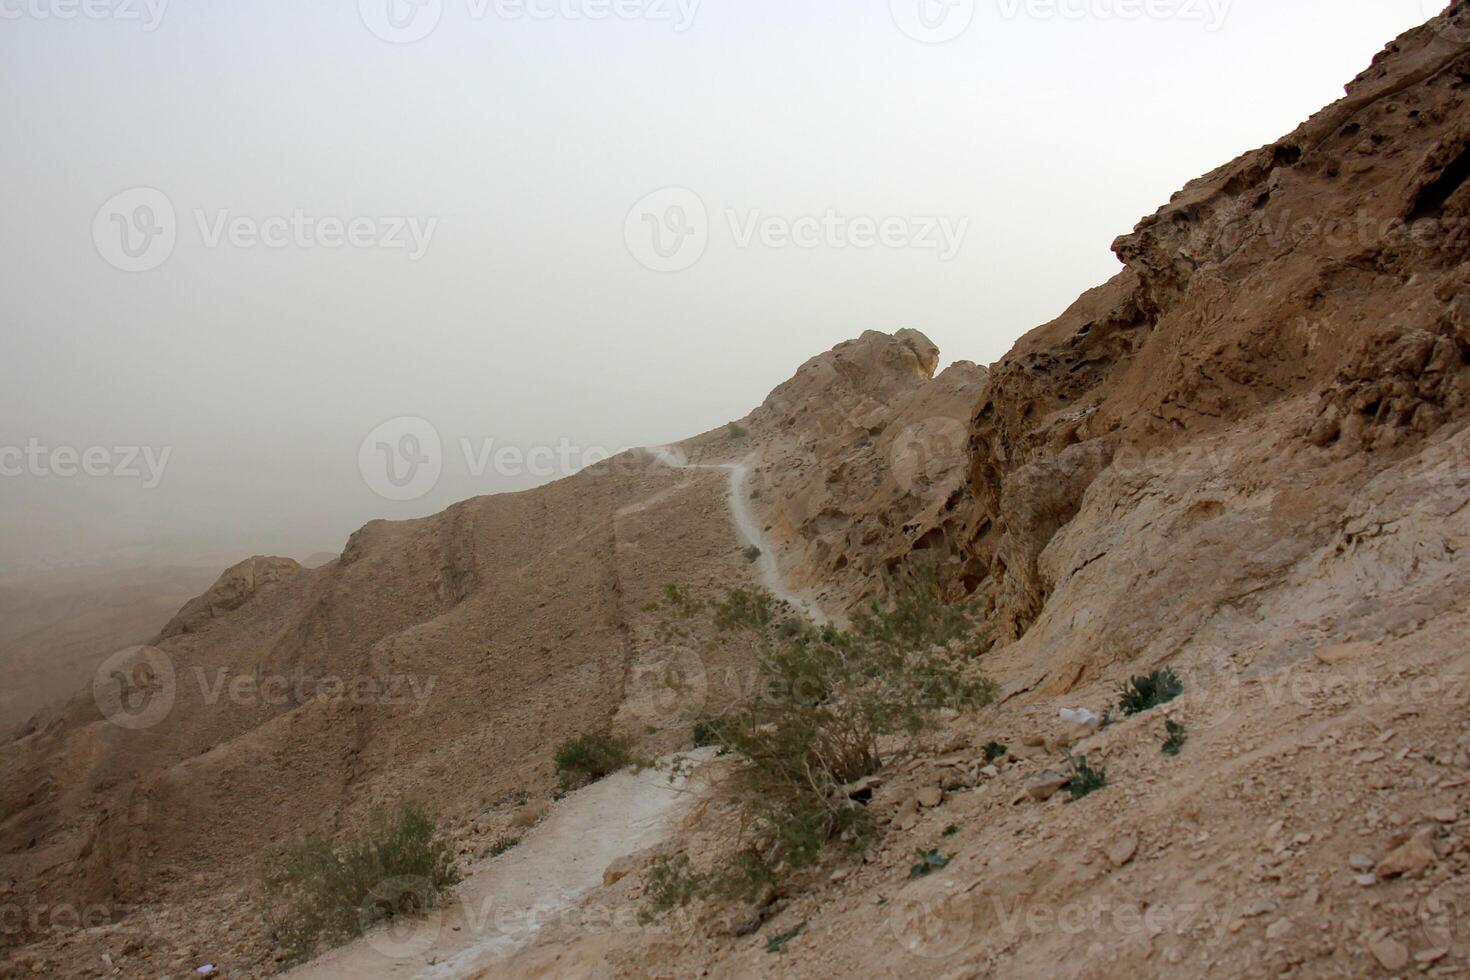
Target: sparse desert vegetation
(317,895)
(588,758)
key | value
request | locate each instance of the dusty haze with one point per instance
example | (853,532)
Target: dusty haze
(507,154)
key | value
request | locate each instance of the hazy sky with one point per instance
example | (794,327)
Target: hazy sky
(338,229)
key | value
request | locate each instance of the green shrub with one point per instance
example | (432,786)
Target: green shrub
(588,758)
(750,609)
(825,698)
(669,884)
(929,862)
(737,431)
(776,943)
(1175,737)
(1085,779)
(1148,691)
(752,554)
(995,750)
(681,602)
(709,731)
(503,844)
(318,896)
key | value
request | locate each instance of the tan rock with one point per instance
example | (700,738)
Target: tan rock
(1390,953)
(1046,786)
(1411,858)
(620,869)
(929,797)
(1122,850)
(530,814)
(907,816)
(1341,653)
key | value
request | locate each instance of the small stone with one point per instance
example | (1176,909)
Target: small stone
(908,816)
(1361,862)
(618,870)
(1444,815)
(1390,953)
(1121,851)
(741,924)
(1279,929)
(1366,881)
(1431,955)
(1060,744)
(1341,653)
(1046,786)
(1412,858)
(929,797)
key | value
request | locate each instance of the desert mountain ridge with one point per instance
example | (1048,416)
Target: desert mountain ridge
(1244,458)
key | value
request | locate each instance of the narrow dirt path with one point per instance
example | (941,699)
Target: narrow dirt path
(750,529)
(502,904)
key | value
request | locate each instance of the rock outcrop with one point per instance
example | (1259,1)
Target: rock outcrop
(1295,319)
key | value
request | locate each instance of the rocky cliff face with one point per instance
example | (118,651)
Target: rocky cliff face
(862,461)
(1294,320)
